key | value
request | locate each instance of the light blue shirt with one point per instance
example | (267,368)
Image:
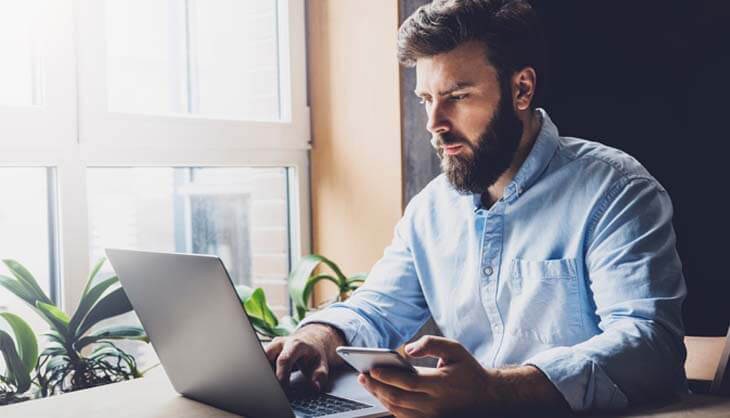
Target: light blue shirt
(574,270)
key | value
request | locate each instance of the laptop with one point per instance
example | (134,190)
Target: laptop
(189,309)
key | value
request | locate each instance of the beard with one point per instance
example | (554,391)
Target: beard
(490,157)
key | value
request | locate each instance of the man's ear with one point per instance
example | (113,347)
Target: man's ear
(523,87)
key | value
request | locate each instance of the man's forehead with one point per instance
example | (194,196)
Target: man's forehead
(461,67)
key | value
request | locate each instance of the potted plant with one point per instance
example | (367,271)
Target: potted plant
(79,353)
(301,282)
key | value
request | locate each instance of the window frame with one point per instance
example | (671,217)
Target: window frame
(73,132)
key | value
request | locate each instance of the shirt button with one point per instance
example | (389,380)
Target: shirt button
(488,270)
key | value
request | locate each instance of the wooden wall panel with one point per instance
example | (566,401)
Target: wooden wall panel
(356,180)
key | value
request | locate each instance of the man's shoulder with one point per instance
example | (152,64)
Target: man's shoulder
(592,159)
(438,193)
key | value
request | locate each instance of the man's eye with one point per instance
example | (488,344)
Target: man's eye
(457,97)
(423,101)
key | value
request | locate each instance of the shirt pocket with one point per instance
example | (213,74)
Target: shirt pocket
(546,304)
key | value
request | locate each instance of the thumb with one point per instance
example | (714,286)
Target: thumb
(448,351)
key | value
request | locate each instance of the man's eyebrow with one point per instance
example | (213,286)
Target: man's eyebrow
(456,86)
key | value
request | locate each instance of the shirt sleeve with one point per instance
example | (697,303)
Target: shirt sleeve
(389,308)
(635,277)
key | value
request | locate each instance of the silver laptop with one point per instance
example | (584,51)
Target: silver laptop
(194,319)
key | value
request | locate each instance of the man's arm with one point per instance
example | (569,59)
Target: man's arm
(636,281)
(523,388)
(389,308)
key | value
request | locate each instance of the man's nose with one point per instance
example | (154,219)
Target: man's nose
(438,123)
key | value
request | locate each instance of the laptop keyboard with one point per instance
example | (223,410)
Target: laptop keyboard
(317,405)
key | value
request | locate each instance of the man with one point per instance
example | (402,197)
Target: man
(548,263)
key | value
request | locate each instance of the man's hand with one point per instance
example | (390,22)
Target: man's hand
(455,386)
(459,385)
(311,349)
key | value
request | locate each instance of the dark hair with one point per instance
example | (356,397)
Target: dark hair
(510,30)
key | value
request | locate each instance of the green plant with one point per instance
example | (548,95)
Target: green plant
(262,317)
(301,283)
(303,278)
(20,355)
(64,365)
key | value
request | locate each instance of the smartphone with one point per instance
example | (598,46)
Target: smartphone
(364,359)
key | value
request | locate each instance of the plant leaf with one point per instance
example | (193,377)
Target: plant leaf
(298,279)
(25,338)
(262,327)
(27,279)
(257,307)
(331,264)
(244,292)
(87,302)
(56,337)
(355,278)
(286,326)
(16,368)
(55,317)
(16,288)
(261,316)
(313,280)
(54,351)
(93,273)
(111,305)
(355,281)
(56,362)
(117,332)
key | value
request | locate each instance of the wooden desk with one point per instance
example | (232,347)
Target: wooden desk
(154,397)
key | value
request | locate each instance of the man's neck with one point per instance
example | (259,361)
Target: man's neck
(496,191)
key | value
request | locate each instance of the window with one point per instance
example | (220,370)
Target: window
(194,57)
(239,214)
(28,228)
(176,125)
(20,74)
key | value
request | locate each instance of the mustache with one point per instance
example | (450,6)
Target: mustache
(440,140)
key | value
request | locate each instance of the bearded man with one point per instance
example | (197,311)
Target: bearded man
(548,262)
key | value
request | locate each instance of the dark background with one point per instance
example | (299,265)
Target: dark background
(649,77)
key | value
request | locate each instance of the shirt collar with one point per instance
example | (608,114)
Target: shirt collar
(537,160)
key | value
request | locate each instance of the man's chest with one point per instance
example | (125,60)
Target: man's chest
(507,273)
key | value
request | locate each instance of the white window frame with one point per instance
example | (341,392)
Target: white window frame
(74,131)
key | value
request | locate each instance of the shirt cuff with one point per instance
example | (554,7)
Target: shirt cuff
(352,325)
(581,381)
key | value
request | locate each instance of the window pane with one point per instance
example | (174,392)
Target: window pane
(211,58)
(20,72)
(239,214)
(24,233)
(236,46)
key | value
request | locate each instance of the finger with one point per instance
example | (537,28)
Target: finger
(392,395)
(440,364)
(400,379)
(274,348)
(318,372)
(290,354)
(447,350)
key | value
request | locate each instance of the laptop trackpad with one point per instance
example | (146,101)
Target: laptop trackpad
(343,383)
